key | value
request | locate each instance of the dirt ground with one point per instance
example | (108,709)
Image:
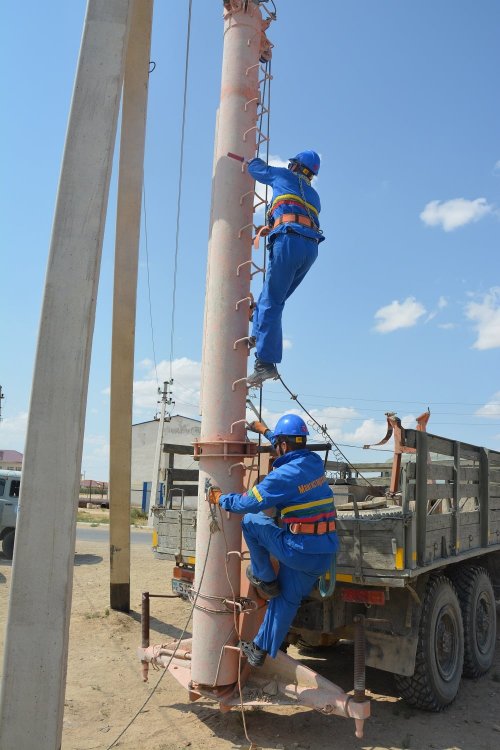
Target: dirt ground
(104,687)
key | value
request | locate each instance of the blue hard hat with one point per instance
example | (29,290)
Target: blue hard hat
(290,424)
(309,159)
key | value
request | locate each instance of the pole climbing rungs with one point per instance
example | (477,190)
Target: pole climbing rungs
(238,421)
(257,65)
(242,229)
(251,300)
(262,137)
(234,466)
(238,341)
(249,192)
(235,383)
(255,99)
(246,263)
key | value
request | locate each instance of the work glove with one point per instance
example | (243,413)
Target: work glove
(214,494)
(257,426)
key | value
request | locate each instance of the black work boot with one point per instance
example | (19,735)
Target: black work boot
(270,589)
(263,371)
(255,656)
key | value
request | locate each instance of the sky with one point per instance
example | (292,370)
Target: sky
(401,310)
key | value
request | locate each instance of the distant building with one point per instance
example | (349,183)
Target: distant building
(12,460)
(179,431)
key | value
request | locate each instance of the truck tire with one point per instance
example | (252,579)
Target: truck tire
(440,650)
(8,544)
(477,602)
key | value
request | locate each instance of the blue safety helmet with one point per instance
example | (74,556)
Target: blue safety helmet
(308,159)
(290,425)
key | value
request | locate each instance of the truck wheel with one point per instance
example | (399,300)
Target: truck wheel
(8,545)
(477,602)
(440,650)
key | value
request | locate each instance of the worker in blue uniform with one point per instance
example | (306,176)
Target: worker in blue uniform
(305,540)
(294,235)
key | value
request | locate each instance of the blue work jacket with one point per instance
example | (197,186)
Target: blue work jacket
(298,489)
(287,198)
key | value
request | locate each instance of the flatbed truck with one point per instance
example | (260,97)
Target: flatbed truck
(419,560)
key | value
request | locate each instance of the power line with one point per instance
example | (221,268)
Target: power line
(391,400)
(179,191)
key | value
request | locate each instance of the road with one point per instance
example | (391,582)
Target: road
(87,533)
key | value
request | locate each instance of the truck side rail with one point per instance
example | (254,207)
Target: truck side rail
(466,490)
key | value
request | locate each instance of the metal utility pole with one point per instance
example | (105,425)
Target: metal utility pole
(36,647)
(133,133)
(208,663)
(165,401)
(1,399)
(223,444)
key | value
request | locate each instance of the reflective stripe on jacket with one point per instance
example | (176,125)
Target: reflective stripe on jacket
(296,486)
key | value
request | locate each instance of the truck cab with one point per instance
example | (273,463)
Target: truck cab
(10,483)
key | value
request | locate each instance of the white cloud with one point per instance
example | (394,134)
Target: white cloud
(486,316)
(95,457)
(455,213)
(398,315)
(490,409)
(496,168)
(287,343)
(186,374)
(441,304)
(13,432)
(369,432)
(446,326)
(278,161)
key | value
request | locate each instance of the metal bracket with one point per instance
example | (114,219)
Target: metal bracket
(226,449)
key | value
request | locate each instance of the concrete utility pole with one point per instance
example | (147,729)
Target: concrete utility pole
(36,648)
(133,133)
(165,401)
(223,445)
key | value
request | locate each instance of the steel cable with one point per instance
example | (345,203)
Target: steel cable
(179,190)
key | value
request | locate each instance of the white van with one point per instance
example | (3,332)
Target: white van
(10,482)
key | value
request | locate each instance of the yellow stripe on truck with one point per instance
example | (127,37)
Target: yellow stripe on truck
(399,559)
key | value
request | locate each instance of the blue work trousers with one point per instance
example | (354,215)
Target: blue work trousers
(291,255)
(297,575)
